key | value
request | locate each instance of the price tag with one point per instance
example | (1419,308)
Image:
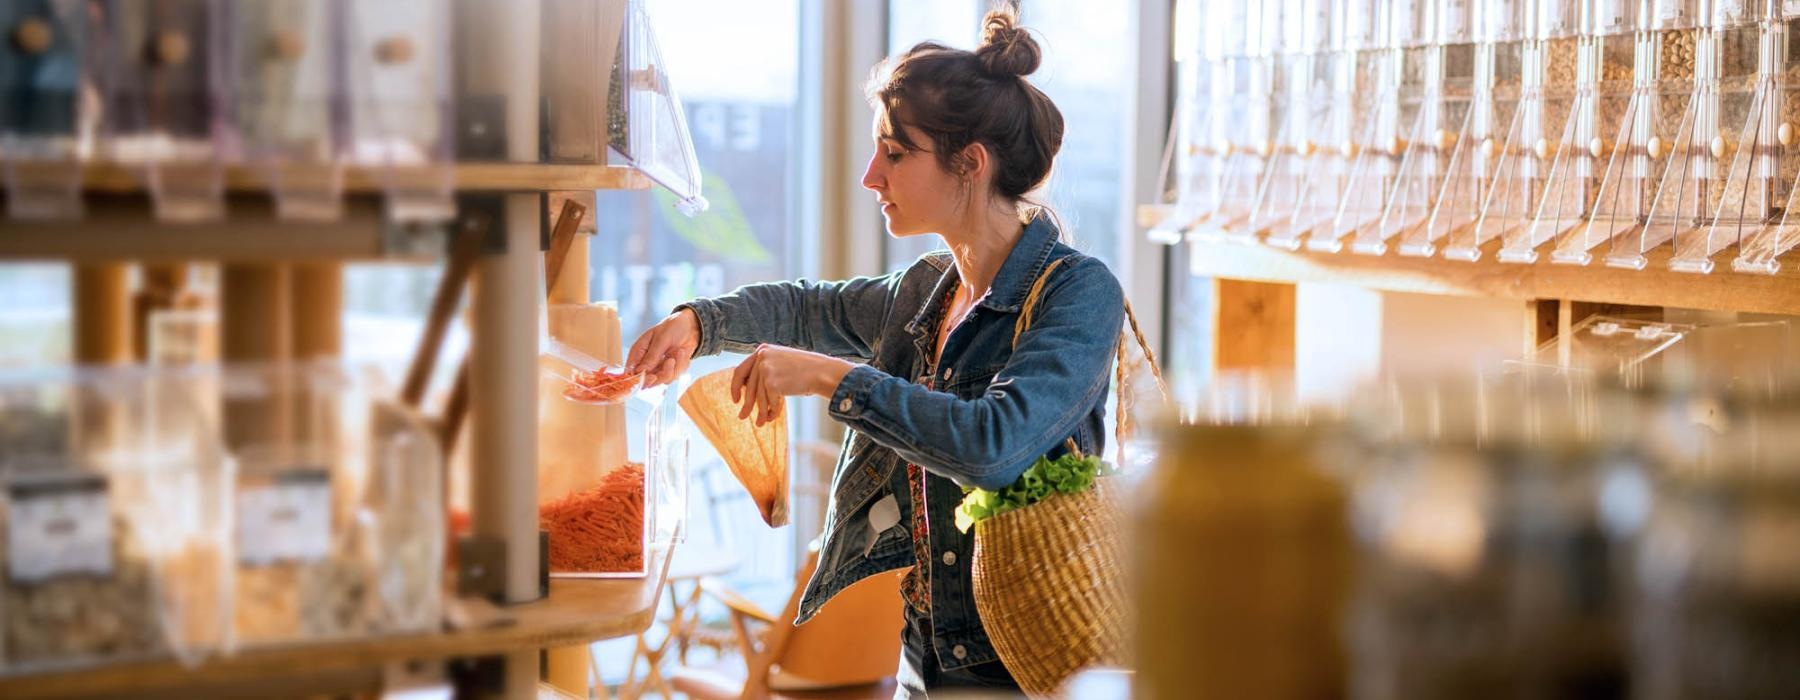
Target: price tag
(1671,9)
(59,528)
(287,519)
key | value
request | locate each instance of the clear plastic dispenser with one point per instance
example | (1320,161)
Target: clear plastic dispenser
(46,128)
(1440,127)
(166,102)
(287,87)
(1297,111)
(1244,134)
(1536,139)
(1760,250)
(1190,164)
(338,507)
(402,119)
(113,497)
(1676,105)
(1501,92)
(1332,124)
(656,139)
(1743,192)
(1625,101)
(1373,150)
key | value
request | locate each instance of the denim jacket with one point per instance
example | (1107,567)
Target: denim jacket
(1000,407)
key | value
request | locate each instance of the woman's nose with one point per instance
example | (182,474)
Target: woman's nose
(872,178)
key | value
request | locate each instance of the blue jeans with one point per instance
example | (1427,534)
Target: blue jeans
(920,673)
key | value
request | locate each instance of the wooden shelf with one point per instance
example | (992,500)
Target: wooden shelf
(120,227)
(1656,285)
(578,611)
(504,177)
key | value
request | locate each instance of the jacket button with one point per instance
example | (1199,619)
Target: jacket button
(947,372)
(949,558)
(959,652)
(844,405)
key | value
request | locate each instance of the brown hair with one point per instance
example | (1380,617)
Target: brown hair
(961,97)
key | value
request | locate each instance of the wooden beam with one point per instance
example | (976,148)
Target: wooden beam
(1253,326)
(496,177)
(318,310)
(102,313)
(122,228)
(1654,286)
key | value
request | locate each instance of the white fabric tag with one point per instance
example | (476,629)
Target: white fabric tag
(883,515)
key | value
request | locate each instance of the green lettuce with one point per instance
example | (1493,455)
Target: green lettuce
(1045,478)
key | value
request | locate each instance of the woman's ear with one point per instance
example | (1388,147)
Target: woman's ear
(978,163)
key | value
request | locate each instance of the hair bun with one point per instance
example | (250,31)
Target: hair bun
(1007,49)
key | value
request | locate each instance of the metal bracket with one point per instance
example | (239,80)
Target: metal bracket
(485,213)
(481,567)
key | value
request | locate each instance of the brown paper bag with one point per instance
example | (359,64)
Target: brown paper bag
(757,456)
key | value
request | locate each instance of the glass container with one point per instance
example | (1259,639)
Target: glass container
(46,127)
(1499,91)
(1679,143)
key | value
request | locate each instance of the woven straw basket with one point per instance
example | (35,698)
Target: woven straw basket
(1047,585)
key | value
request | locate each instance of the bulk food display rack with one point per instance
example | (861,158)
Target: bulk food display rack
(1626,152)
(281,138)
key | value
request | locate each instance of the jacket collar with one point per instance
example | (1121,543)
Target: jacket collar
(1027,259)
(1007,294)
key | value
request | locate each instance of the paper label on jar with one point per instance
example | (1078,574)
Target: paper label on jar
(286,519)
(59,529)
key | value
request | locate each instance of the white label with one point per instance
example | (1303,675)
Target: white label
(1671,9)
(59,529)
(288,519)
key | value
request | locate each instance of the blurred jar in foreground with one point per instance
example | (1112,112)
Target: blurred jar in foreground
(1241,554)
(1489,523)
(1717,585)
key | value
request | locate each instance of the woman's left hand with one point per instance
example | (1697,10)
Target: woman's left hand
(773,373)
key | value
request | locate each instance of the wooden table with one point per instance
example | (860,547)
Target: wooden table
(577,611)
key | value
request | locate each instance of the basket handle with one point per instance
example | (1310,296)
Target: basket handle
(1122,424)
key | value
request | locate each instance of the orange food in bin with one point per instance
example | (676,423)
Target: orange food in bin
(607,385)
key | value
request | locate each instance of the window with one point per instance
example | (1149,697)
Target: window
(736,68)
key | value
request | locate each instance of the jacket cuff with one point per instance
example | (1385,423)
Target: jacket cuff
(852,393)
(711,319)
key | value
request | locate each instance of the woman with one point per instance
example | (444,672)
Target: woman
(922,365)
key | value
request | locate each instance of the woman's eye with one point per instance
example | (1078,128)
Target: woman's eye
(894,156)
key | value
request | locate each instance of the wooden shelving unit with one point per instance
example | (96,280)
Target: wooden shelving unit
(500,177)
(1656,285)
(497,59)
(576,612)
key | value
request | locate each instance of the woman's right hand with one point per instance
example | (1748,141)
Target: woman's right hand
(663,352)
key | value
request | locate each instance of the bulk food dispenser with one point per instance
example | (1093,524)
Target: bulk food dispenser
(283,69)
(1568,118)
(1679,145)
(46,128)
(1759,249)
(1414,29)
(1298,109)
(1742,190)
(1438,129)
(1332,122)
(1373,98)
(402,117)
(1624,96)
(1244,132)
(1190,164)
(163,93)
(1500,93)
(1535,139)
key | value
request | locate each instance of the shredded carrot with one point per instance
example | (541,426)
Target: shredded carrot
(600,529)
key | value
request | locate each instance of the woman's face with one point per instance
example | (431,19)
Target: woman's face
(917,195)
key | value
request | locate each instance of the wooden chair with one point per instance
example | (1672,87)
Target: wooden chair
(849,650)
